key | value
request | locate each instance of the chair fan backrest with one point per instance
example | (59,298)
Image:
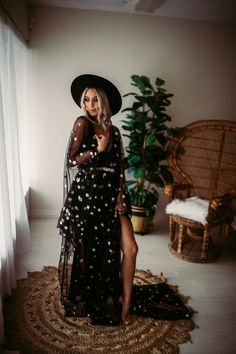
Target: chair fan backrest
(204,154)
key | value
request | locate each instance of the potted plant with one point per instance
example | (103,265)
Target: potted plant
(148,136)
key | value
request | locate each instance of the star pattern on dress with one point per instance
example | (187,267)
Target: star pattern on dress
(88,224)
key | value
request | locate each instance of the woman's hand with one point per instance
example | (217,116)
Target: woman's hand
(102,141)
(120,204)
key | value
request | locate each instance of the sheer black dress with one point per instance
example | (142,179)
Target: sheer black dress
(89,265)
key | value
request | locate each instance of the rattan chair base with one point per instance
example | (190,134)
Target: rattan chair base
(192,249)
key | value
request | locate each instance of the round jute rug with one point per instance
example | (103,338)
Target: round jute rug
(35,323)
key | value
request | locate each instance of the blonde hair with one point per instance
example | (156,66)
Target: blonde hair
(104,112)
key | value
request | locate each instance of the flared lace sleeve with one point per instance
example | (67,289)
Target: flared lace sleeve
(78,153)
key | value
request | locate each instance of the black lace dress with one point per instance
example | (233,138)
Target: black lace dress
(89,266)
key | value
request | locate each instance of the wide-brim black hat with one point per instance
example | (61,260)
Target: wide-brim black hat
(81,82)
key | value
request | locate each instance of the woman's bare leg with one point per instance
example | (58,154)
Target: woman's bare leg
(130,250)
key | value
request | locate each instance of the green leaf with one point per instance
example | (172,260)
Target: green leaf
(128,183)
(134,158)
(155,178)
(137,105)
(150,139)
(162,139)
(137,81)
(125,127)
(159,82)
(146,82)
(130,94)
(166,173)
(147,92)
(127,109)
(173,131)
(139,172)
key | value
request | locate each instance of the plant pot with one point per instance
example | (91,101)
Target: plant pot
(140,221)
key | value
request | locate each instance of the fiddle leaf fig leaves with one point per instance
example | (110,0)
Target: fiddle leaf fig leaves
(148,139)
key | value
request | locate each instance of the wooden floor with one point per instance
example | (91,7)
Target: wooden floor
(211,286)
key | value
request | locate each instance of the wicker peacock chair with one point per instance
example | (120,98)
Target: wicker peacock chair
(203,161)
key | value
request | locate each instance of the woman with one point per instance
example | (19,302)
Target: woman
(94,221)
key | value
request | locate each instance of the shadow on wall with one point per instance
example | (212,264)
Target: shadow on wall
(38,198)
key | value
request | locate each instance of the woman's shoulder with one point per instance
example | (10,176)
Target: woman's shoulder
(81,120)
(116,129)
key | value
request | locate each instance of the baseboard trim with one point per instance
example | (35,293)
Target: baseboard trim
(44,214)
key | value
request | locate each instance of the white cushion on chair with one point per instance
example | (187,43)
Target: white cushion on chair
(193,208)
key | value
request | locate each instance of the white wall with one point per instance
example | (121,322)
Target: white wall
(196,59)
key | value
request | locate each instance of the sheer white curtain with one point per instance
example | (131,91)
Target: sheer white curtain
(14,226)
